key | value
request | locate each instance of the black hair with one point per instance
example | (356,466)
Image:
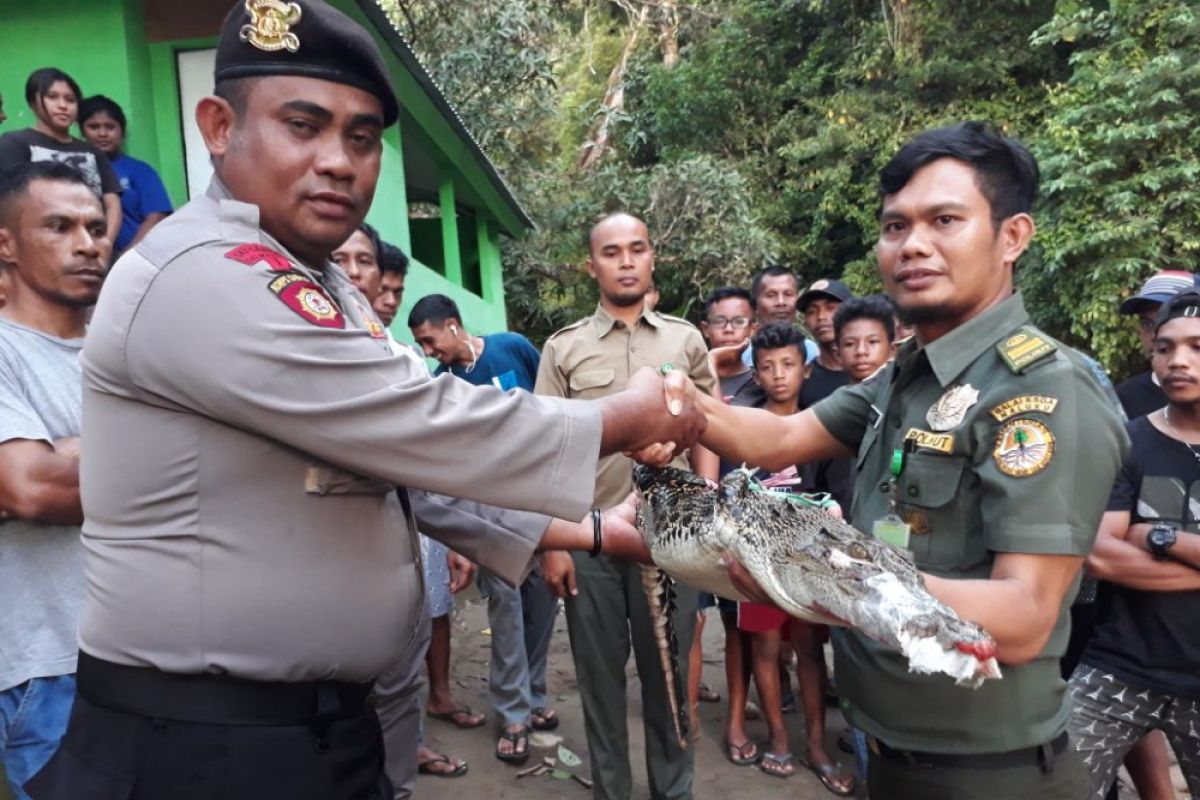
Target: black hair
(775,336)
(1184,304)
(372,236)
(772,271)
(40,81)
(612,215)
(235,91)
(14,183)
(1006,172)
(873,306)
(726,292)
(435,308)
(392,258)
(99,104)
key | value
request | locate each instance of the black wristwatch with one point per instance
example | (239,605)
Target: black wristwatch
(1160,540)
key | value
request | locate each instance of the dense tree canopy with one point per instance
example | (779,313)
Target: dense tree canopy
(752,131)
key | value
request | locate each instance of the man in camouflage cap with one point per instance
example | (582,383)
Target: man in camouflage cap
(250,562)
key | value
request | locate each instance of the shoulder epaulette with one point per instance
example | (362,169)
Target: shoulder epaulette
(1026,347)
(570,327)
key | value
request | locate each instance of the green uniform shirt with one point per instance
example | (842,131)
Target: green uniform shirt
(1023,467)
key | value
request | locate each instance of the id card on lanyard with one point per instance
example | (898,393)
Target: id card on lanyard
(891,528)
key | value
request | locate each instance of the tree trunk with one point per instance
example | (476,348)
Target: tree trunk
(669,32)
(614,96)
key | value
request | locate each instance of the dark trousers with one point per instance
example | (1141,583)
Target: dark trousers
(116,755)
(1064,778)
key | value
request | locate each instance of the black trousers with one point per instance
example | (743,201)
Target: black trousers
(115,755)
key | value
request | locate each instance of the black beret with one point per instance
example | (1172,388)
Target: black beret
(308,38)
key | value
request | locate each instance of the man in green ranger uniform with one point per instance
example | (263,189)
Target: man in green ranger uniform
(986,449)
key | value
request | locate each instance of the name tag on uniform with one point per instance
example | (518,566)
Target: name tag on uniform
(893,530)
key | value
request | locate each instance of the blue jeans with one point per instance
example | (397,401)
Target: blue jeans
(33,718)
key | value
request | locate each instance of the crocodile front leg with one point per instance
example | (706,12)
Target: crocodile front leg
(660,597)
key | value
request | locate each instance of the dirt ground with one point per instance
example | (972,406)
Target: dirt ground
(715,777)
(491,779)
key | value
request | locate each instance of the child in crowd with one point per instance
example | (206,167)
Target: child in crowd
(779,368)
(728,322)
(865,332)
(144,200)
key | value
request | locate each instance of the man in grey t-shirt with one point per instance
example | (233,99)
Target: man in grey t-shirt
(54,248)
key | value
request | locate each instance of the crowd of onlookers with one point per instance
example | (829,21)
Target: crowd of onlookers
(777,344)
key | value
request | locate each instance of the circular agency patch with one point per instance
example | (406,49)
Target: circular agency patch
(1023,447)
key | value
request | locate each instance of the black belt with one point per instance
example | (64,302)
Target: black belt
(215,699)
(1041,755)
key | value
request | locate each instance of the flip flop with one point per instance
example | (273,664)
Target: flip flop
(459,770)
(457,714)
(544,719)
(741,755)
(778,765)
(515,737)
(707,694)
(827,774)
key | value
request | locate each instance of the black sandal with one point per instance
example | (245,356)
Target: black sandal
(518,755)
(543,719)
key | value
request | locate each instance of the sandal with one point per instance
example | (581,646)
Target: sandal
(741,755)
(543,719)
(829,774)
(707,695)
(778,765)
(457,768)
(519,754)
(461,717)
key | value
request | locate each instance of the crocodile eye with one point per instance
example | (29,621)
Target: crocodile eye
(858,551)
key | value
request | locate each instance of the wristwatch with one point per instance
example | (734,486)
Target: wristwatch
(1160,540)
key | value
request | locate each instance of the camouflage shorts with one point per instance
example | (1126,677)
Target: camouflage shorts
(1108,717)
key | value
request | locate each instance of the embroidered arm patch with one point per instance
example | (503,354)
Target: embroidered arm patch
(307,300)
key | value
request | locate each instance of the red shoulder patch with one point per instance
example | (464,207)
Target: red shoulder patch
(308,300)
(251,254)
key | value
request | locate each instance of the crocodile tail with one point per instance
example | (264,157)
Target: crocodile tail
(660,598)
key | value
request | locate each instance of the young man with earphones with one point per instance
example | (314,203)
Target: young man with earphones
(521,619)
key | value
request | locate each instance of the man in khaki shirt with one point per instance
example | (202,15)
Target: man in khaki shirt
(249,561)
(606,606)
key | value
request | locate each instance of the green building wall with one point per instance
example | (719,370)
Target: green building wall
(102,44)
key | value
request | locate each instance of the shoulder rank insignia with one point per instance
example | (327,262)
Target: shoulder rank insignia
(251,254)
(1025,348)
(270,25)
(951,408)
(1023,404)
(1023,447)
(308,300)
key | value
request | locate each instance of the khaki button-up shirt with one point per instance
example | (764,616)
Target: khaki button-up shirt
(1015,459)
(245,426)
(595,357)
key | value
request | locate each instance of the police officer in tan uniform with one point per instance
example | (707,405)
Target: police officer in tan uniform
(594,358)
(250,564)
(987,449)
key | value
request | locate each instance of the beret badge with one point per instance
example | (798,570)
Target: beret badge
(270,25)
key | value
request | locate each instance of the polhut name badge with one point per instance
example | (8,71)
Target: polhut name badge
(270,25)
(951,408)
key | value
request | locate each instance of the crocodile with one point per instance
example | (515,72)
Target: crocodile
(814,566)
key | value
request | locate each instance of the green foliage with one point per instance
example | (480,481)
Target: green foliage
(765,140)
(1120,155)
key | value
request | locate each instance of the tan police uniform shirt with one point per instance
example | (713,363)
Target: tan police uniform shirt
(596,356)
(245,427)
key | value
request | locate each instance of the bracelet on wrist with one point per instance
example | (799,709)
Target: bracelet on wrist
(597,537)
